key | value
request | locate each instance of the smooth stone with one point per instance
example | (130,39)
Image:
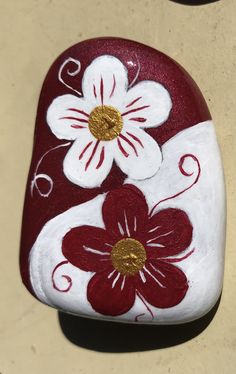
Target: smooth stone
(124,215)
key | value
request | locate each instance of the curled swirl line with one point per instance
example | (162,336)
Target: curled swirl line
(69,280)
(183,172)
(148,309)
(136,75)
(71,73)
(34,183)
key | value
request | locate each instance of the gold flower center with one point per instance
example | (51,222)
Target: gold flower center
(105,122)
(128,256)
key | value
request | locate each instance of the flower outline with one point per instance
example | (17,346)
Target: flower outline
(165,234)
(145,105)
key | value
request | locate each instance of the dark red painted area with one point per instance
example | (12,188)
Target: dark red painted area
(165,284)
(189,108)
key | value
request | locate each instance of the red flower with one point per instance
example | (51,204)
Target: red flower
(132,255)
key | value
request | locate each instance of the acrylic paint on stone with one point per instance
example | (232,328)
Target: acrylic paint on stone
(124,214)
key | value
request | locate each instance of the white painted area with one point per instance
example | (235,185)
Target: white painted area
(105,82)
(46,254)
(156,97)
(58,110)
(205,205)
(75,168)
(107,68)
(149,156)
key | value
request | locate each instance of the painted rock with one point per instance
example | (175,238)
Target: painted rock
(124,215)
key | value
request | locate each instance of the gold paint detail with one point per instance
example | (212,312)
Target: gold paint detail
(105,122)
(128,256)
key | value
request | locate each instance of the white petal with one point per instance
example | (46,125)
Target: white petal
(137,154)
(105,81)
(148,104)
(67,116)
(88,162)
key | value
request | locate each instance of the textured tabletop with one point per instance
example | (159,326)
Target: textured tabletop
(36,339)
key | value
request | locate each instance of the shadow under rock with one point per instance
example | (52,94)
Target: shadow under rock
(114,337)
(194,2)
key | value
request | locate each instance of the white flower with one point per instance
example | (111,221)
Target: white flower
(107,124)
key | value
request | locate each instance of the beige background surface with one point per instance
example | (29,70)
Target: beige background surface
(32,34)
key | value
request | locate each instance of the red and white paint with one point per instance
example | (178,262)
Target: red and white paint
(164,235)
(167,161)
(145,105)
(182,278)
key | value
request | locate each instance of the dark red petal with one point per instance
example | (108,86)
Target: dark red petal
(109,295)
(88,248)
(125,212)
(165,286)
(169,233)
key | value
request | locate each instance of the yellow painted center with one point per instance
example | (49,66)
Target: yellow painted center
(105,122)
(128,256)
